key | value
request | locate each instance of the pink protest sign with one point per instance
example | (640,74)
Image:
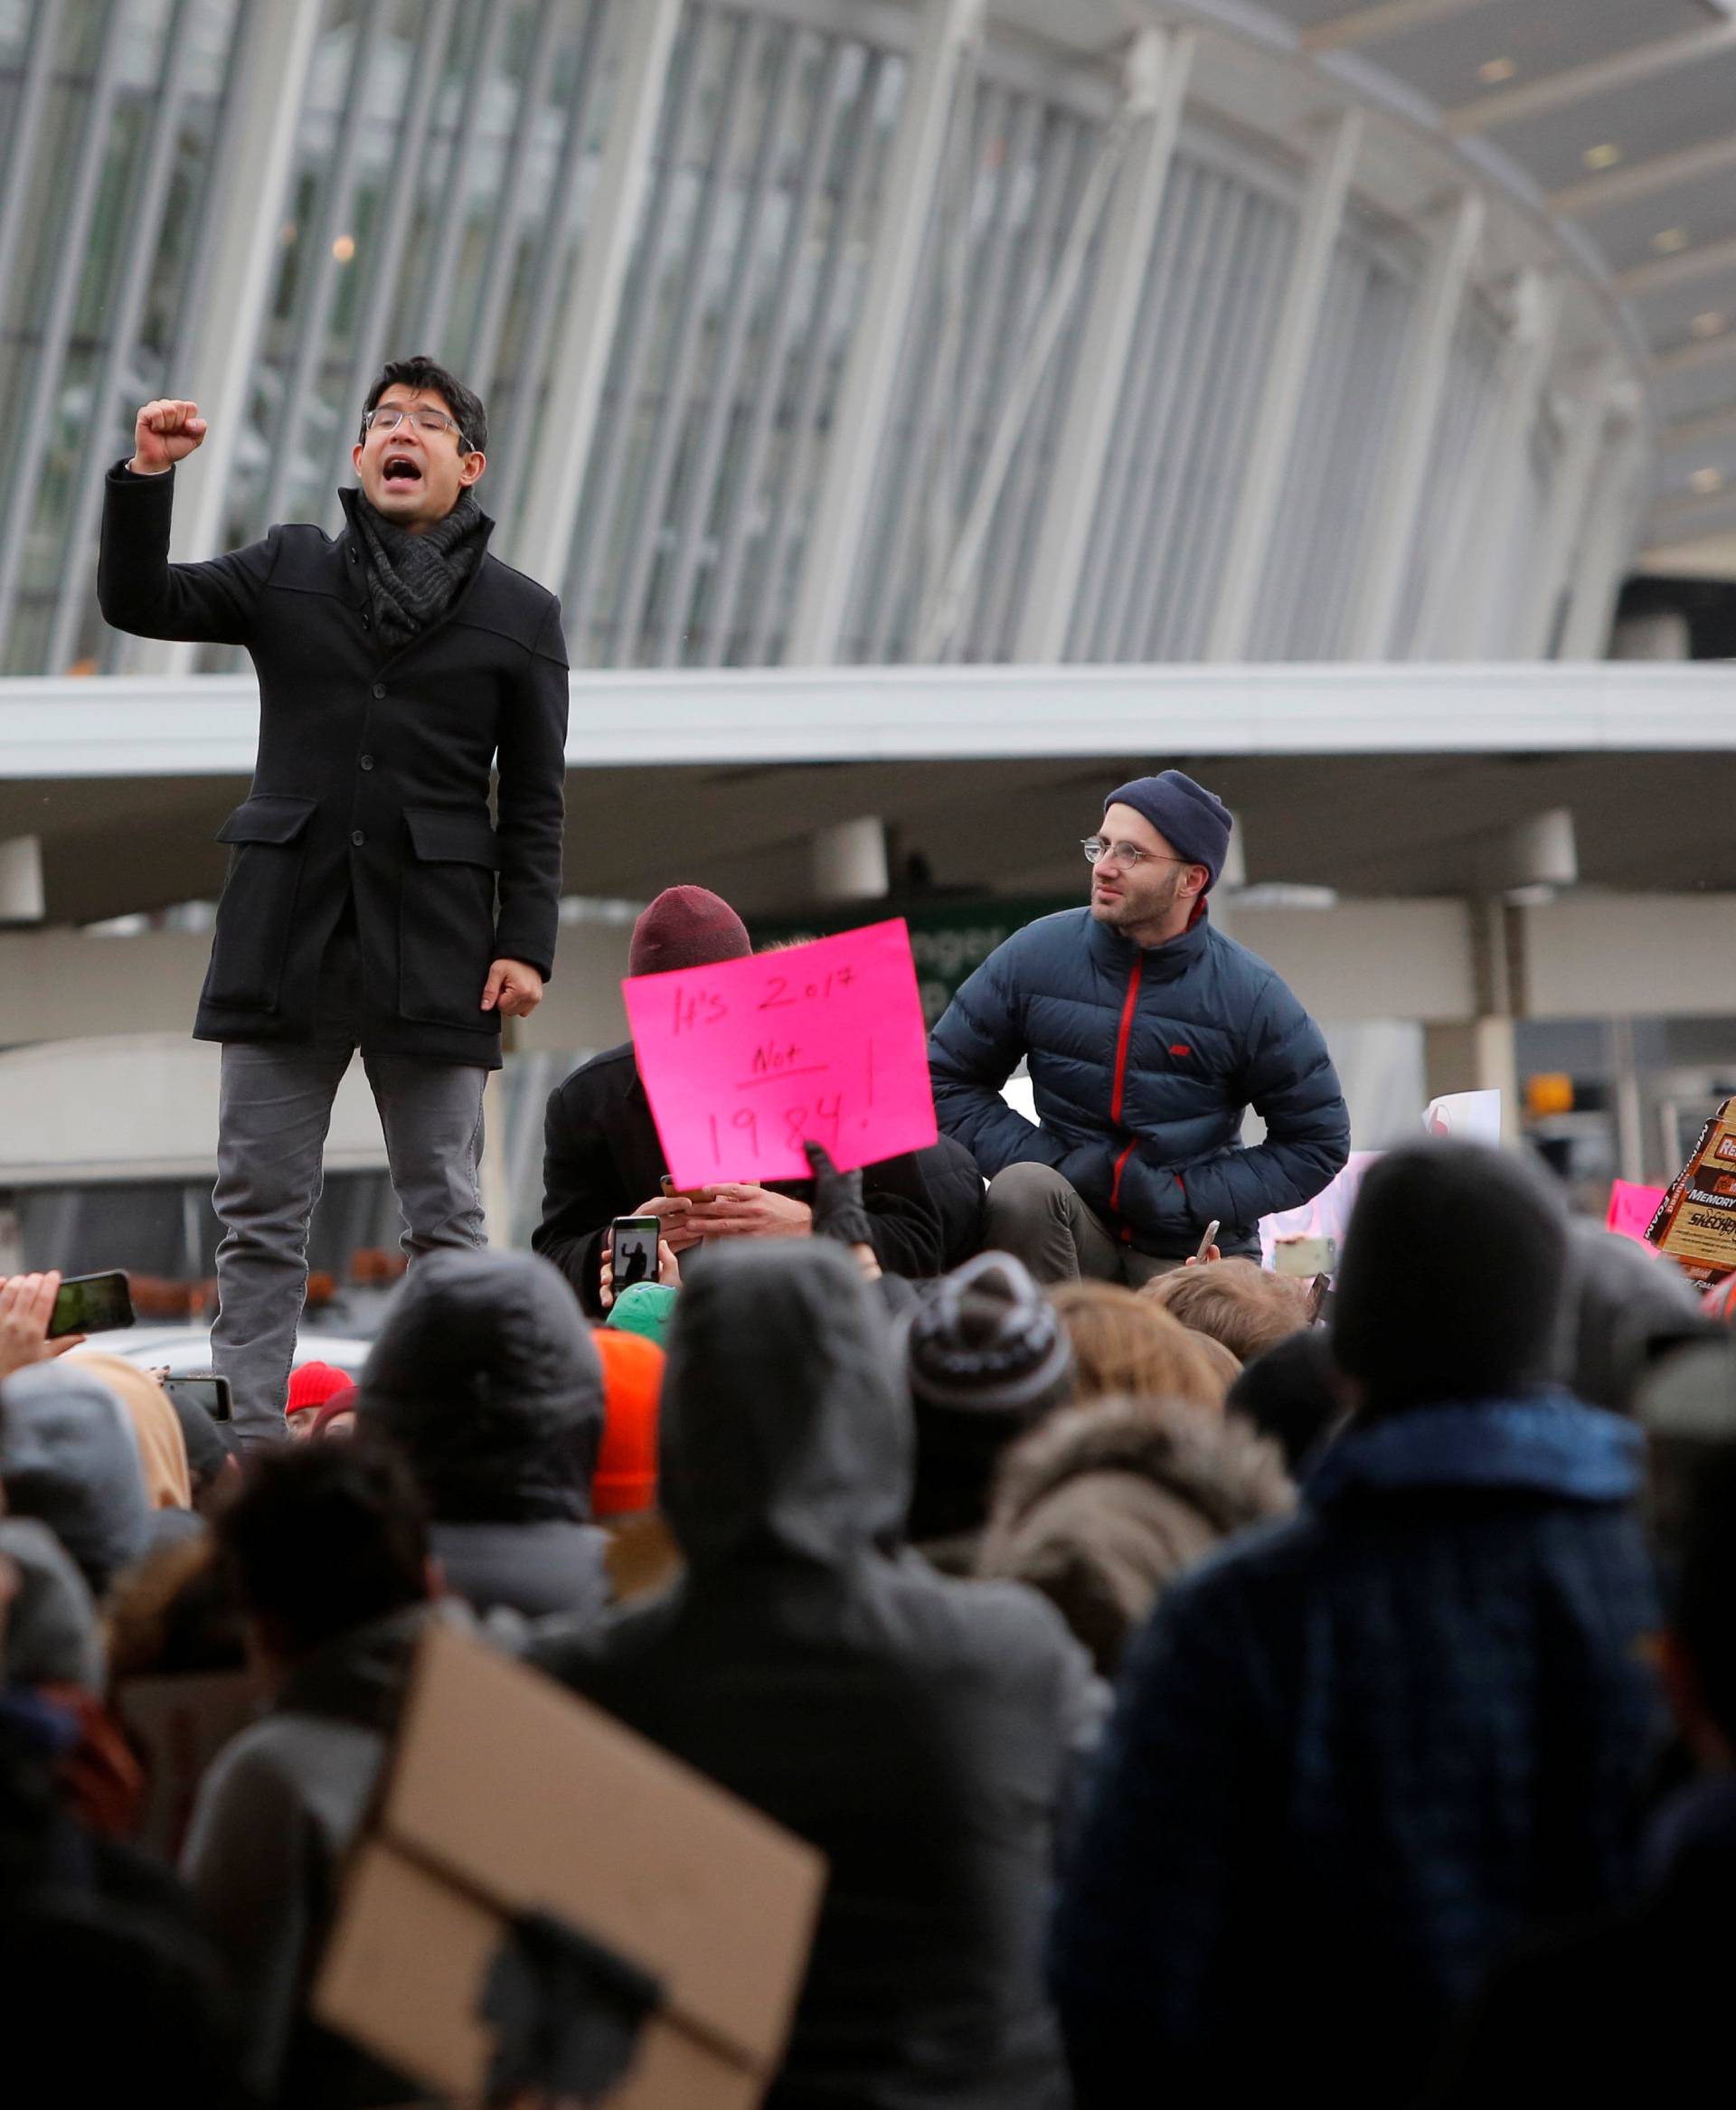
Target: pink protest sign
(744,1062)
(1632,1208)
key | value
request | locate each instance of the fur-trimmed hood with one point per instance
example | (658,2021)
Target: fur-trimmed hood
(1101,1506)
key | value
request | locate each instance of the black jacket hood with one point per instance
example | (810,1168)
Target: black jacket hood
(485,1377)
(784,1429)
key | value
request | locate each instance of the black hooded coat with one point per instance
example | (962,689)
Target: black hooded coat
(917,1731)
(485,1377)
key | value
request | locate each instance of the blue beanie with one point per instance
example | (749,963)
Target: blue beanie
(1193,821)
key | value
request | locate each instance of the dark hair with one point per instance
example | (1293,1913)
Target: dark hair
(1287,1393)
(420,371)
(327,1537)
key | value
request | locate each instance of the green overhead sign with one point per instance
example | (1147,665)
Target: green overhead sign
(950,941)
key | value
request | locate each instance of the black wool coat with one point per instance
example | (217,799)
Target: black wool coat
(603,1158)
(373,779)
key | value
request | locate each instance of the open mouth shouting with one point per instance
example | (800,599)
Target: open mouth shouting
(401,469)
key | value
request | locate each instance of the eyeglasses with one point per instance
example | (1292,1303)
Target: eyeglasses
(1127,855)
(389,417)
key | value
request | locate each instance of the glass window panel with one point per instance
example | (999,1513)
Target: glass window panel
(1015,178)
(1335,459)
(765,187)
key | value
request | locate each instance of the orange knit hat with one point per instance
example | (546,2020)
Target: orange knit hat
(626,1478)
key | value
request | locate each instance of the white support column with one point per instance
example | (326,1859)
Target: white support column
(1393,526)
(1262,488)
(1612,516)
(1158,68)
(1587,416)
(585,336)
(251,184)
(840,518)
(1457,622)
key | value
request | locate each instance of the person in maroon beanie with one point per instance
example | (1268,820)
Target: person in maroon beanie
(603,1157)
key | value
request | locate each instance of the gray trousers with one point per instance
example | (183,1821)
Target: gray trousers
(273,1113)
(1038,1217)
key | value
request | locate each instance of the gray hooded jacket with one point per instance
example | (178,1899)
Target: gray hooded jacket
(67,1456)
(274,1818)
(485,1377)
(917,1731)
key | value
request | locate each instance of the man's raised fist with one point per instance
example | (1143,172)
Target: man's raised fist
(164,433)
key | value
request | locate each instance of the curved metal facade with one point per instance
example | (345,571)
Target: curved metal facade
(428,177)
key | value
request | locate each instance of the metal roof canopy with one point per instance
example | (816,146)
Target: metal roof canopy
(207,725)
(1370,779)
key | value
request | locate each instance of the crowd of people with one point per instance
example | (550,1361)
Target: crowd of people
(1194,1678)
(1171,1677)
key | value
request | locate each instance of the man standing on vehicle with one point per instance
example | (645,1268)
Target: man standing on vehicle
(1149,1033)
(370,901)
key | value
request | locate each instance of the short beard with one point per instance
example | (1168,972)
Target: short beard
(1152,908)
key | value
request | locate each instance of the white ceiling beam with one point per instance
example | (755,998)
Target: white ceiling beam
(1696,358)
(1405,468)
(1559,92)
(1687,434)
(1706,260)
(1107,344)
(1370,25)
(585,333)
(1645,179)
(1613,529)
(1243,565)
(947,32)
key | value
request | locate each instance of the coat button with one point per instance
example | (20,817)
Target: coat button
(365,763)
(367,622)
(357,837)
(378,688)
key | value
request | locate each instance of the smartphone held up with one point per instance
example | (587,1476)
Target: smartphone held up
(92,1304)
(633,1250)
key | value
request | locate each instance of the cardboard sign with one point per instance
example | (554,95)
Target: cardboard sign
(744,1062)
(1695,1223)
(1474,1116)
(483,1818)
(1632,1208)
(178,1725)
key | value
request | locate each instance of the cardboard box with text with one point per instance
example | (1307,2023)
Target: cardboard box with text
(506,1796)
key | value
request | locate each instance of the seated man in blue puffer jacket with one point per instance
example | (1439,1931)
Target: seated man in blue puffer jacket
(1148,1034)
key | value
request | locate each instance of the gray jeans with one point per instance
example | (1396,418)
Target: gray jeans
(273,1113)
(1038,1217)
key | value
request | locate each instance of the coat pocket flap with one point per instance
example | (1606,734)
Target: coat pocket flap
(440,836)
(268,818)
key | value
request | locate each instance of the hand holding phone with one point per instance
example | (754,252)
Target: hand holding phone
(1207,1248)
(635,1252)
(92,1304)
(204,1388)
(26,1309)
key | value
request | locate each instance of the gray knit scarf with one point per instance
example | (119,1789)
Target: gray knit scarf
(414,580)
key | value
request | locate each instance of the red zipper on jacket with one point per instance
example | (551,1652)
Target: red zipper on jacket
(1120,1091)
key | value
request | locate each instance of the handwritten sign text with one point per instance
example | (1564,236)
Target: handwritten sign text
(744,1062)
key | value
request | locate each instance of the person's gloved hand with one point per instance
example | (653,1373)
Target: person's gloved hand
(838,1209)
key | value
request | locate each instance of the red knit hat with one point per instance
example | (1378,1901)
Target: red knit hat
(687,927)
(313,1384)
(626,1478)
